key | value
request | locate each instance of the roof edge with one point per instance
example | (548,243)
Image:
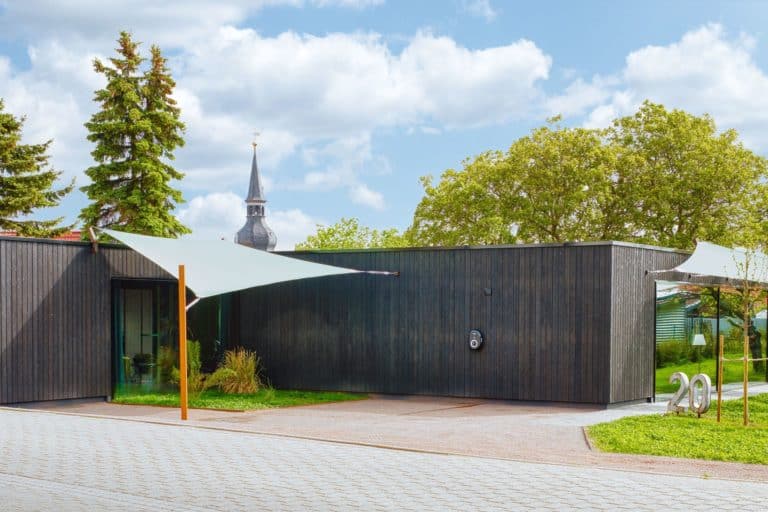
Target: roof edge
(604,243)
(82,243)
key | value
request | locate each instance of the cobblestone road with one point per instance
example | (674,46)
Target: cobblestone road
(60,462)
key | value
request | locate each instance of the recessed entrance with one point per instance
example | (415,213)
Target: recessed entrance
(145,338)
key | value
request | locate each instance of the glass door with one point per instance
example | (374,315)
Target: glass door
(145,345)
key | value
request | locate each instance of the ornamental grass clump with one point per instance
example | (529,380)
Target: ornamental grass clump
(238,373)
(196,379)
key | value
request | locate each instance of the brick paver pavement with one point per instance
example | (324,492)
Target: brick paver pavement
(63,462)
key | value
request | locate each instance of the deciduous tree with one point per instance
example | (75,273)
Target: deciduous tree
(554,185)
(685,181)
(347,233)
(660,177)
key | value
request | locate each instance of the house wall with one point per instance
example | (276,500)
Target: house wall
(567,322)
(55,317)
(671,321)
(546,323)
(633,304)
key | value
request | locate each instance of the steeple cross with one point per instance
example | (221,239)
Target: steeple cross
(255,138)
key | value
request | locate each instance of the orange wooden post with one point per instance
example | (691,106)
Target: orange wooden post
(182,343)
(720,378)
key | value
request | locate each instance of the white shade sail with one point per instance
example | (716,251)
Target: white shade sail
(218,266)
(712,260)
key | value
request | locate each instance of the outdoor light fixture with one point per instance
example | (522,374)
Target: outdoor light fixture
(699,341)
(475,339)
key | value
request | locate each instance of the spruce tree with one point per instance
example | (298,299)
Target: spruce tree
(26,182)
(135,131)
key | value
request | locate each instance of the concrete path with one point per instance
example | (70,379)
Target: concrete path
(531,432)
(62,462)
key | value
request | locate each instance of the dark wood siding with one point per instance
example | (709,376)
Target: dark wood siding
(633,302)
(545,318)
(561,322)
(55,317)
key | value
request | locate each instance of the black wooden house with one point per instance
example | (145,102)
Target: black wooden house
(559,322)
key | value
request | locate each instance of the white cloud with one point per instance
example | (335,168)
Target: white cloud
(53,94)
(706,71)
(345,162)
(218,146)
(214,216)
(321,98)
(220,215)
(363,195)
(355,4)
(318,97)
(291,227)
(170,23)
(344,84)
(481,9)
(580,96)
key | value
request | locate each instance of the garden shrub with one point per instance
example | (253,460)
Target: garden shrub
(166,363)
(238,372)
(734,341)
(195,377)
(671,352)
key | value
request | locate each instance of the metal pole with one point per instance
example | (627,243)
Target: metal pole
(182,343)
(746,378)
(720,375)
(719,362)
(655,334)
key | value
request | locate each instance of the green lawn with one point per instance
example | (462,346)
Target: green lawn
(213,399)
(732,372)
(690,437)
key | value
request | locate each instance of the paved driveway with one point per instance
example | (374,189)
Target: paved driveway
(62,462)
(529,432)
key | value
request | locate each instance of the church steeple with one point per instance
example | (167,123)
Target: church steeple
(255,199)
(255,233)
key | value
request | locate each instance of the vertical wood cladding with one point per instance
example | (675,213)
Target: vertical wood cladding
(633,303)
(567,322)
(55,317)
(544,312)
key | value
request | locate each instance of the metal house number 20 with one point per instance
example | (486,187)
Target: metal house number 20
(698,404)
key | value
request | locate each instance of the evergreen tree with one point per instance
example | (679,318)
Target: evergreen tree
(136,132)
(26,181)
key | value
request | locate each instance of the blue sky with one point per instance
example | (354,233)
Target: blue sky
(356,99)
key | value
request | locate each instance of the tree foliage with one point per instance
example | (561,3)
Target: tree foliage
(685,181)
(660,177)
(26,182)
(135,132)
(347,233)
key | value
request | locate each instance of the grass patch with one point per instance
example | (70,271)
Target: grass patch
(732,372)
(690,437)
(214,399)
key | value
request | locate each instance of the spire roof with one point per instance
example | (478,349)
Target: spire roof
(256,233)
(255,190)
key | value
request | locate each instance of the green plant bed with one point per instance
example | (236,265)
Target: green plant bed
(732,372)
(213,399)
(690,437)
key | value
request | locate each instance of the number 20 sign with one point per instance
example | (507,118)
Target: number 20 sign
(698,396)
